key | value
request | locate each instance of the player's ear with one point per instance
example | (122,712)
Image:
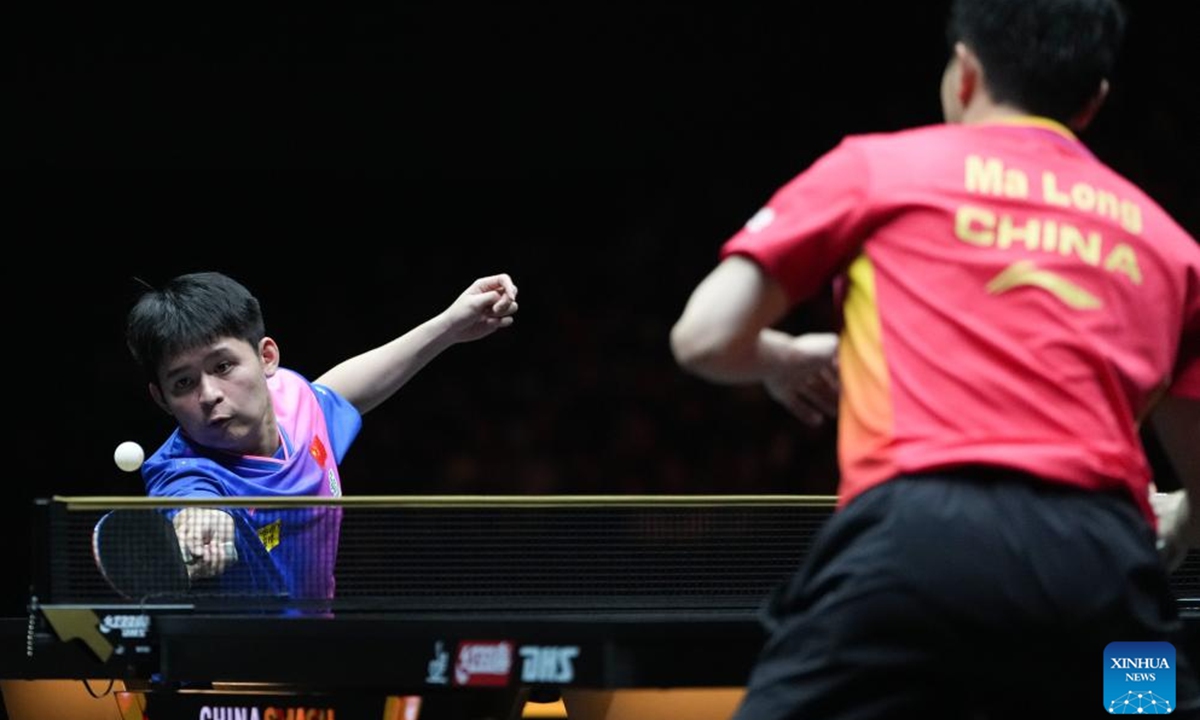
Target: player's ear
(268,352)
(970,73)
(1085,116)
(157,396)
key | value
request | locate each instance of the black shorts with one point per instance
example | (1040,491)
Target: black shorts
(973,594)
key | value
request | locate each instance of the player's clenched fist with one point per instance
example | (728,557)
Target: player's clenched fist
(206,539)
(483,308)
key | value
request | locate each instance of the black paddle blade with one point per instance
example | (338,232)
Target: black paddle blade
(138,553)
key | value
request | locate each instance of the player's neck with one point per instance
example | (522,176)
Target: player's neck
(985,111)
(272,440)
(266,442)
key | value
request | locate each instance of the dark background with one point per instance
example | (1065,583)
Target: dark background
(359,168)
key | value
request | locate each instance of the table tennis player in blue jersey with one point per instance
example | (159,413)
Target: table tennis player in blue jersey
(249,427)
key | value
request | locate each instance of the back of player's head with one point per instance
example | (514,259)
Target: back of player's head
(190,311)
(1047,57)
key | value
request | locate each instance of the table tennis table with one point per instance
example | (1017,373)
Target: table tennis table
(476,605)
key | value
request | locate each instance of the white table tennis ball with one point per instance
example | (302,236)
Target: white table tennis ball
(129,456)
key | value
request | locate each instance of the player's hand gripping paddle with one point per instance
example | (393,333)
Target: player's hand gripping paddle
(207,537)
(138,553)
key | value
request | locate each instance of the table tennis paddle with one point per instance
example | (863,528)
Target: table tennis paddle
(251,571)
(138,553)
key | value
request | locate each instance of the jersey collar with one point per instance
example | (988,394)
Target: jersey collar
(1037,121)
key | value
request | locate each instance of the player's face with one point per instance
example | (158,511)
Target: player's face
(218,395)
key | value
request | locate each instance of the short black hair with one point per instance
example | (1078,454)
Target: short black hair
(1047,57)
(188,312)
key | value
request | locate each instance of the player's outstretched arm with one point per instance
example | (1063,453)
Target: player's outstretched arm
(1176,420)
(366,380)
(724,336)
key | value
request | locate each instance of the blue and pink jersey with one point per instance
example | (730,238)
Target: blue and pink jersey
(317,427)
(1009,301)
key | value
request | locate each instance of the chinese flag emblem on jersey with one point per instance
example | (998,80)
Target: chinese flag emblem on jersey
(317,450)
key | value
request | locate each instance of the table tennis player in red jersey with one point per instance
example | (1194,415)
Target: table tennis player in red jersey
(1012,311)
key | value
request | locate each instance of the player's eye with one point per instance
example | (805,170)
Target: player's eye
(182,384)
(223,367)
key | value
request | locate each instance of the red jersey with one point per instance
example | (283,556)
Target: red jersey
(1009,301)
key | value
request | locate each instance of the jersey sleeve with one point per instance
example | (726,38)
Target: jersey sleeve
(813,226)
(342,420)
(166,474)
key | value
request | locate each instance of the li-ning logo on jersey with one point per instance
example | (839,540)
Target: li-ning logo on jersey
(1139,678)
(1024,273)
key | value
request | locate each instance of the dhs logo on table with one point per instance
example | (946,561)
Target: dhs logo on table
(548,663)
(1139,678)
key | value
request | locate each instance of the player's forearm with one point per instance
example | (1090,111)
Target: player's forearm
(748,360)
(723,334)
(368,379)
